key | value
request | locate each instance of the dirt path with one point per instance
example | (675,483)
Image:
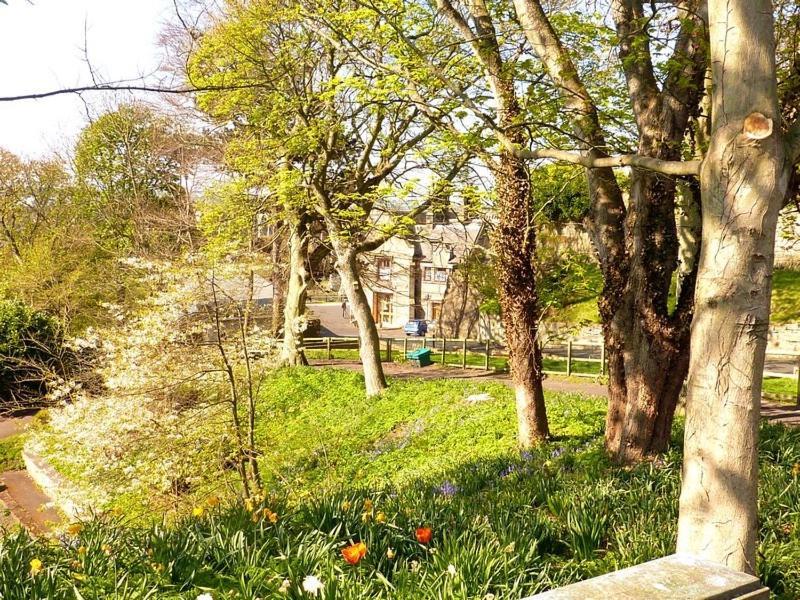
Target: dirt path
(772,411)
(11,426)
(21,500)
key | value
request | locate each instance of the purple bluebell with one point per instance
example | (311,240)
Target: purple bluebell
(508,471)
(447,489)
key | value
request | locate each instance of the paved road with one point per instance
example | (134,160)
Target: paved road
(334,324)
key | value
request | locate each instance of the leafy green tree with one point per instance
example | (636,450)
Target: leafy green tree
(129,164)
(47,246)
(328,139)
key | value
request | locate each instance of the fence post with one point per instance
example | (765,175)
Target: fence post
(424,342)
(405,348)
(328,347)
(444,350)
(603,357)
(464,354)
(486,361)
(569,357)
(797,373)
(389,357)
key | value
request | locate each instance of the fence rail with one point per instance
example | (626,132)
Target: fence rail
(573,358)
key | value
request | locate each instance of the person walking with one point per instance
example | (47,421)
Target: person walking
(344,308)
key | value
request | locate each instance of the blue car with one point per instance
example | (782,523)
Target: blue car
(416,327)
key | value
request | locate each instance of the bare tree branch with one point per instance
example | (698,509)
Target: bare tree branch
(126,88)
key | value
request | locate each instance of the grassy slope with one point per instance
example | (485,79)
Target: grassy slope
(785,296)
(510,525)
(415,430)
(11,453)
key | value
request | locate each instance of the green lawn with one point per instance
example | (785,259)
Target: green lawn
(454,358)
(785,296)
(784,388)
(785,302)
(437,454)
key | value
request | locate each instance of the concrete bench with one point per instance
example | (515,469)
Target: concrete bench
(675,577)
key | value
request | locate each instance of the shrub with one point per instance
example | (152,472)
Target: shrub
(32,353)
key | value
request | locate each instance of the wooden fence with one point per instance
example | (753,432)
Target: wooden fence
(483,355)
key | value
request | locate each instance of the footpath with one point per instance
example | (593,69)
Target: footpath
(22,503)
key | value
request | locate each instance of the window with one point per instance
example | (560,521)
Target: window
(428,274)
(439,217)
(384,269)
(441,275)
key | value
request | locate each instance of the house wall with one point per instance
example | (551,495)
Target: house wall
(400,283)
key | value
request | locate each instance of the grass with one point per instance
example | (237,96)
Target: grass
(785,388)
(785,296)
(437,454)
(416,429)
(785,302)
(11,453)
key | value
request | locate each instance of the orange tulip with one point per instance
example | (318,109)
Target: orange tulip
(354,553)
(424,535)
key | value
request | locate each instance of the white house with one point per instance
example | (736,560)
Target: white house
(407,278)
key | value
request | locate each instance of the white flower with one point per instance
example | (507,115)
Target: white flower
(312,585)
(414,566)
(489,596)
(205,597)
(284,589)
(451,570)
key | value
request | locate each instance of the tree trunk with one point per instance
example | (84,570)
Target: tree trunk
(295,306)
(514,245)
(648,345)
(514,236)
(743,181)
(369,342)
(278,283)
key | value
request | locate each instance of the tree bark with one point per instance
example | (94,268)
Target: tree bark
(514,244)
(295,305)
(369,349)
(278,284)
(743,180)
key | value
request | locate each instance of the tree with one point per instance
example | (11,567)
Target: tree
(340,138)
(48,250)
(414,35)
(636,245)
(129,164)
(514,237)
(744,180)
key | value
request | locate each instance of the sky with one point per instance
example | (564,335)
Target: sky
(42,48)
